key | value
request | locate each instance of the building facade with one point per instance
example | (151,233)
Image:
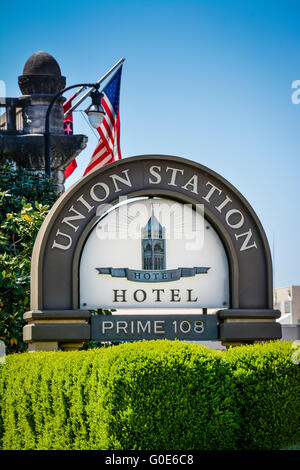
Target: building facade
(287,300)
(153,245)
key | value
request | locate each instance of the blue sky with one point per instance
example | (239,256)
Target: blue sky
(206,80)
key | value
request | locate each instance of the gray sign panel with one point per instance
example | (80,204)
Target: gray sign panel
(55,268)
(139,327)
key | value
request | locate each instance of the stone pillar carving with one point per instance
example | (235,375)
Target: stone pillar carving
(59,178)
(34,114)
(40,81)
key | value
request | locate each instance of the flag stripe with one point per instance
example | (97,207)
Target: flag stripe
(107,129)
(108,147)
(118,134)
(98,154)
(107,158)
(70,168)
(68,130)
(109,112)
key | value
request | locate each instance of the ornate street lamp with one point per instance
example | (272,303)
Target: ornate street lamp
(95,111)
(95,115)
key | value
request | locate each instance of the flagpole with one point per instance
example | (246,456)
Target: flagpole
(92,88)
(77,93)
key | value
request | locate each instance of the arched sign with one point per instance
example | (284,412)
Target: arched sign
(153,253)
(62,262)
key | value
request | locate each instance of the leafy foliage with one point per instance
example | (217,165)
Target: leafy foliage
(152,395)
(25,199)
(269,383)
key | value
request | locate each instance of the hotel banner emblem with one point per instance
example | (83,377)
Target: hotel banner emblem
(166,275)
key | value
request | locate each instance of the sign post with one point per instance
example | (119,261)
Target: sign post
(91,254)
(139,327)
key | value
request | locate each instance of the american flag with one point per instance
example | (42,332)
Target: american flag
(108,147)
(68,130)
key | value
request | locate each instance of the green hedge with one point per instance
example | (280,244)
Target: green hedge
(269,394)
(151,395)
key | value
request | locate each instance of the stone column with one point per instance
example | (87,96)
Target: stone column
(53,330)
(245,326)
(40,82)
(34,114)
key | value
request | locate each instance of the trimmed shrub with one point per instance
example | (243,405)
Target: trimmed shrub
(151,395)
(164,395)
(146,395)
(269,394)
